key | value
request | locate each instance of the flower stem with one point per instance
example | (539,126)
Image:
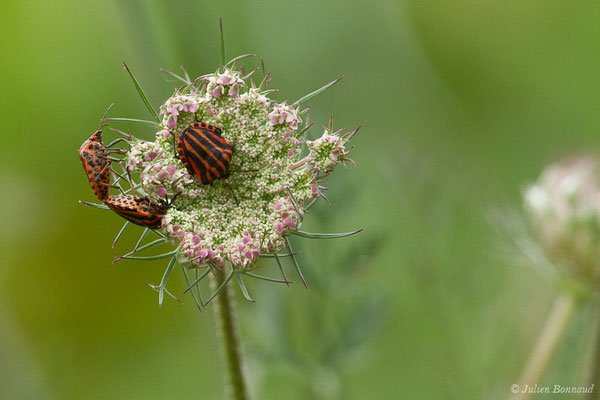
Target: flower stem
(547,343)
(235,386)
(592,366)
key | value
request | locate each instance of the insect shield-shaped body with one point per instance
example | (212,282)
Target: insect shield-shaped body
(94,156)
(96,164)
(142,211)
(204,153)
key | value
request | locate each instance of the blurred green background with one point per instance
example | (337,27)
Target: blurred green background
(461,102)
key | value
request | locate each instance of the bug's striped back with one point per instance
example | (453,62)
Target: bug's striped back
(139,210)
(204,153)
(95,164)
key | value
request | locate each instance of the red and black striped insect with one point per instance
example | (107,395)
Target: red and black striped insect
(94,156)
(143,211)
(204,153)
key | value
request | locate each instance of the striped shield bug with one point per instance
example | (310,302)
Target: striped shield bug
(94,156)
(204,153)
(143,211)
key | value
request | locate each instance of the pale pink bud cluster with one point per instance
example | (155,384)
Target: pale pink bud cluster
(193,248)
(141,154)
(175,105)
(285,216)
(253,97)
(285,115)
(228,82)
(246,253)
(316,189)
(162,179)
(327,151)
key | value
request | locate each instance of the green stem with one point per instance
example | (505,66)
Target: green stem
(592,369)
(235,386)
(547,343)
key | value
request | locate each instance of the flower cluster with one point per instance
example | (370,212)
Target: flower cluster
(287,218)
(564,208)
(159,175)
(328,151)
(285,116)
(187,105)
(227,82)
(263,199)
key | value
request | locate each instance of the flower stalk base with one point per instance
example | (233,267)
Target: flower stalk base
(235,386)
(547,343)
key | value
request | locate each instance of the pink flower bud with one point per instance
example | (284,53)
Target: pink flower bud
(161,192)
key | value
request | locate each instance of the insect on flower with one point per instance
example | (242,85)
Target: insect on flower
(94,156)
(143,211)
(204,152)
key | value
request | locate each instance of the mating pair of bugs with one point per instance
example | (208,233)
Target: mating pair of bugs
(202,150)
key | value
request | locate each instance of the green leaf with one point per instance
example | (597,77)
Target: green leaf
(303,131)
(157,257)
(313,201)
(142,237)
(243,286)
(222,41)
(281,268)
(158,233)
(174,75)
(163,283)
(185,73)
(239,58)
(287,240)
(325,235)
(316,92)
(276,255)
(263,83)
(197,300)
(142,94)
(132,120)
(266,278)
(125,225)
(197,288)
(197,280)
(94,205)
(147,246)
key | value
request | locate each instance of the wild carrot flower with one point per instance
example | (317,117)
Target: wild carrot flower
(224,226)
(564,209)
(276,174)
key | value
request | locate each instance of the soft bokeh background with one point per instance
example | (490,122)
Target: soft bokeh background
(461,102)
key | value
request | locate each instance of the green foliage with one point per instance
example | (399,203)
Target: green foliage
(461,105)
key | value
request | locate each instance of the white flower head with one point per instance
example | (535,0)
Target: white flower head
(564,208)
(263,199)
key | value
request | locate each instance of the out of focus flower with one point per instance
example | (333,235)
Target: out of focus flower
(564,209)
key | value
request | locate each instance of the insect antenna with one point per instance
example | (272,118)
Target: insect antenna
(104,116)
